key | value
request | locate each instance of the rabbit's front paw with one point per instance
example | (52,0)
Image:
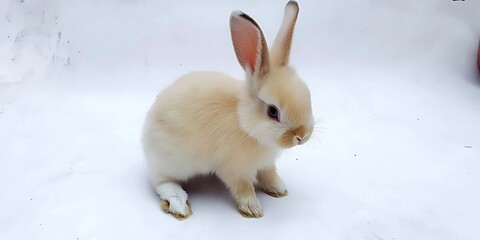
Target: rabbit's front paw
(271,183)
(251,208)
(275,190)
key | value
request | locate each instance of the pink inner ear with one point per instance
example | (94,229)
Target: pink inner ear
(245,42)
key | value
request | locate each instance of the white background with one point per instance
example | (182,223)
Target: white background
(394,87)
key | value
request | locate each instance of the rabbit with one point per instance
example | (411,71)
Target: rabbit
(211,123)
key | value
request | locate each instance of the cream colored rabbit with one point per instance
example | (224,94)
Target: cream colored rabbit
(208,122)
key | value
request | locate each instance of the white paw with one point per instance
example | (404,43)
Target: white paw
(250,208)
(178,205)
(174,200)
(179,209)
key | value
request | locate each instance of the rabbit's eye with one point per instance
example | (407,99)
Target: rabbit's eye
(272,112)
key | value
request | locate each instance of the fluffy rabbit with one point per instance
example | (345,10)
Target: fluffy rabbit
(208,122)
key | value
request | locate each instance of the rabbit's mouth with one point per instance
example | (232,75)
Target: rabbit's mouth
(294,137)
(301,141)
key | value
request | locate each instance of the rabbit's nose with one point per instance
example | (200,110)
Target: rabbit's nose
(299,140)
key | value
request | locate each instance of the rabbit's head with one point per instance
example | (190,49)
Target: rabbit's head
(276,107)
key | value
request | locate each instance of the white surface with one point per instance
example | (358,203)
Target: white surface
(394,84)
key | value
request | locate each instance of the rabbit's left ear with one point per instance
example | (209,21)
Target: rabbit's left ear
(250,48)
(283,41)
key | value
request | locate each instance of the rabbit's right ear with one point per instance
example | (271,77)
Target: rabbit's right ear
(283,41)
(250,48)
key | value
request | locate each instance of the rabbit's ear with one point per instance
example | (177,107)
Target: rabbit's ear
(283,41)
(250,47)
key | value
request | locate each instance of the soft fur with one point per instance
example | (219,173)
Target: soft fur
(208,122)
